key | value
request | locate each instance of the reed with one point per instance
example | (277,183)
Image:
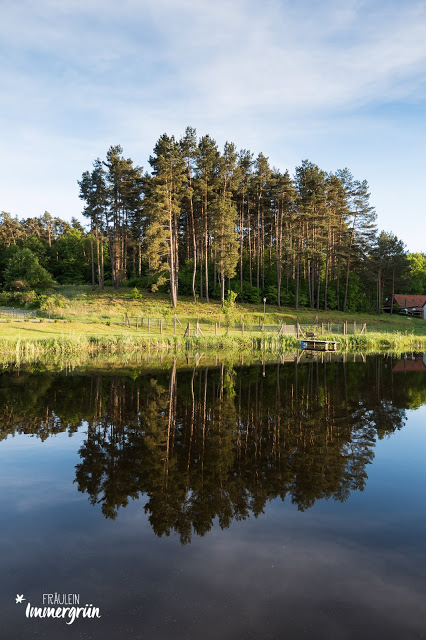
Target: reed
(77,345)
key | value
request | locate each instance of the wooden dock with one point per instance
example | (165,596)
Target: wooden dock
(314,344)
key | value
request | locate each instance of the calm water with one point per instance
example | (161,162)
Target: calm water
(274,501)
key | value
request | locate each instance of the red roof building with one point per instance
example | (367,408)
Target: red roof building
(407,365)
(415,305)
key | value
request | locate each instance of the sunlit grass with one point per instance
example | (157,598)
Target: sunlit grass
(82,302)
(88,322)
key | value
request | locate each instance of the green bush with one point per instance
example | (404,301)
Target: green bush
(271,295)
(135,294)
(248,294)
(49,304)
(28,299)
(23,271)
(5,298)
(134,281)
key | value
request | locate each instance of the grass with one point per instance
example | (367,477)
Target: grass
(87,322)
(82,303)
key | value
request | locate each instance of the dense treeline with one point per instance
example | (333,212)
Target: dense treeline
(204,222)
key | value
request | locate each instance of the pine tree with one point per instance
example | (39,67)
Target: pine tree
(245,163)
(283,197)
(361,221)
(207,167)
(163,208)
(311,204)
(225,217)
(190,151)
(260,185)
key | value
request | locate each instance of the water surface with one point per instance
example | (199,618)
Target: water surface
(269,501)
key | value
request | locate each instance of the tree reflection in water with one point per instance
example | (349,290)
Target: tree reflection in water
(219,442)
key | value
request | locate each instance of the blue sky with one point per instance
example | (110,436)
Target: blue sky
(342,84)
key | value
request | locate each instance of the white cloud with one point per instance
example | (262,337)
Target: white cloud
(83,75)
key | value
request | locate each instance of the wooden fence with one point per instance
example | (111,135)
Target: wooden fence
(196,327)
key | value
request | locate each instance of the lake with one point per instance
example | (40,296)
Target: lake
(214,500)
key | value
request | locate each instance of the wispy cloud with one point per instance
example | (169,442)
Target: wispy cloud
(82,75)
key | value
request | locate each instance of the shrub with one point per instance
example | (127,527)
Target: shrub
(135,294)
(248,294)
(27,298)
(49,304)
(134,281)
(271,295)
(5,298)
(24,271)
(230,301)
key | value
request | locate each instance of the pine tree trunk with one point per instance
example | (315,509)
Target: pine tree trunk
(172,264)
(319,287)
(201,266)
(92,255)
(296,302)
(241,244)
(206,264)
(98,262)
(348,267)
(194,250)
(102,280)
(249,246)
(258,248)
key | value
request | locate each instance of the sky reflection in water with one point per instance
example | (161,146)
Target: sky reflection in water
(148,509)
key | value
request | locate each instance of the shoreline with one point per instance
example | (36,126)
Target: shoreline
(123,345)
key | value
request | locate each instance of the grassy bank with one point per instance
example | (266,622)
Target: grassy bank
(85,322)
(81,304)
(125,345)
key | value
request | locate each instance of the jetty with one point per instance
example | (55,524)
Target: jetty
(311,342)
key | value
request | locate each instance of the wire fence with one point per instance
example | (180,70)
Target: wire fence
(196,326)
(216,325)
(18,314)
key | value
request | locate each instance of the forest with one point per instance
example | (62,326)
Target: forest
(208,224)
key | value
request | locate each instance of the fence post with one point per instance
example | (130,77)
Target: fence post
(322,328)
(215,328)
(137,322)
(149,325)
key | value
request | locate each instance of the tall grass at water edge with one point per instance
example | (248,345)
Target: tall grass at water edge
(76,345)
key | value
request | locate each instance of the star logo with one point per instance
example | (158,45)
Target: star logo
(19,599)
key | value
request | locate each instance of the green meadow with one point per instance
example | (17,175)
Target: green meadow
(80,320)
